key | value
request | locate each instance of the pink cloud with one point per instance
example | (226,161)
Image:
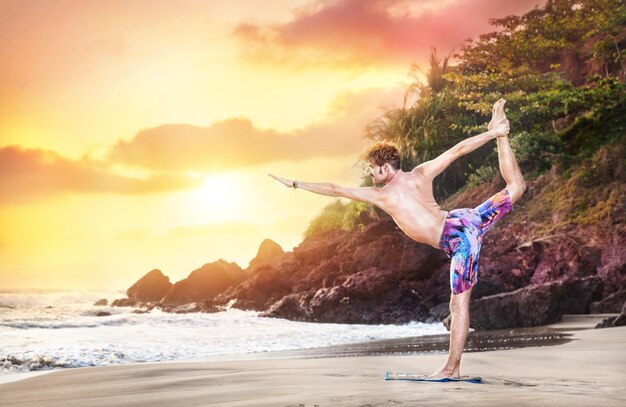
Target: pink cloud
(376,32)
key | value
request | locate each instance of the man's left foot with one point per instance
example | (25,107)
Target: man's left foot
(440,374)
(497,113)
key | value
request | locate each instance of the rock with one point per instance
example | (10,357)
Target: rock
(484,288)
(205,283)
(323,246)
(439,312)
(140,311)
(294,307)
(101,302)
(619,320)
(124,302)
(186,308)
(335,262)
(103,314)
(611,304)
(151,287)
(606,322)
(201,306)
(209,306)
(534,305)
(267,285)
(613,275)
(590,257)
(269,253)
(351,301)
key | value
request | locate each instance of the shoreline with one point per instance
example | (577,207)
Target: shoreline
(413,345)
(590,369)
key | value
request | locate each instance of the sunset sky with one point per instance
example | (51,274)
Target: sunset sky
(137,134)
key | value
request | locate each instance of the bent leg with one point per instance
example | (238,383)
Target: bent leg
(508,165)
(510,169)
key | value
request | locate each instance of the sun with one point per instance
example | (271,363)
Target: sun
(219,190)
(219,197)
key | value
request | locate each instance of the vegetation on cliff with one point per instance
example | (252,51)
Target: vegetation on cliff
(562,69)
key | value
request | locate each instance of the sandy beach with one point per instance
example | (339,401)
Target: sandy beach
(590,370)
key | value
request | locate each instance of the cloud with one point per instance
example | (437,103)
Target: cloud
(27,174)
(356,33)
(237,142)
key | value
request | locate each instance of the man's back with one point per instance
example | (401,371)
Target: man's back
(409,199)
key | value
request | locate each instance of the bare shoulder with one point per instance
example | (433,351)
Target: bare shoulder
(419,172)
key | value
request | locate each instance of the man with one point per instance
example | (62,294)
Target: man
(408,198)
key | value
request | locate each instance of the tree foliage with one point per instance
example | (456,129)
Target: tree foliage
(562,69)
(554,67)
(339,216)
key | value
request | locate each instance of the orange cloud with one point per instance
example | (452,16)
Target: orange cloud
(349,33)
(27,174)
(236,143)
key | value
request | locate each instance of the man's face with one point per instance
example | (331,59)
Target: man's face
(375,172)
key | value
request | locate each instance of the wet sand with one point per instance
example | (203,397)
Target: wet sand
(586,368)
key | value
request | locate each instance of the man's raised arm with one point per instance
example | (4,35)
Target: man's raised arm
(430,169)
(364,194)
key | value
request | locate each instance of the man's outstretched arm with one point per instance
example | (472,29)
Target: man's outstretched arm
(365,194)
(430,169)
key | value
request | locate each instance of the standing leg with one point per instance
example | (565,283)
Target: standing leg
(463,277)
(459,328)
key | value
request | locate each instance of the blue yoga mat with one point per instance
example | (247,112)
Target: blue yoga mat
(421,378)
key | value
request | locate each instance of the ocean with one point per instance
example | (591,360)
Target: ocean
(57,329)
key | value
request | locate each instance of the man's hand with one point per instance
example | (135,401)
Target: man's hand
(497,113)
(501,129)
(285,181)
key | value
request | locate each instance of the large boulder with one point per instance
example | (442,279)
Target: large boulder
(324,246)
(267,285)
(205,283)
(124,302)
(619,320)
(383,245)
(609,305)
(534,305)
(269,253)
(293,306)
(150,288)
(371,296)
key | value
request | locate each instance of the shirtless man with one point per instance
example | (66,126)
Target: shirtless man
(408,198)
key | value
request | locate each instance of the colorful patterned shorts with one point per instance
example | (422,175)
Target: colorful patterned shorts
(462,238)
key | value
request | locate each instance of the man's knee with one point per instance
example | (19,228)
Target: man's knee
(516,189)
(460,302)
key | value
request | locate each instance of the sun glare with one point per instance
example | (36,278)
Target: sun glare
(219,190)
(221,197)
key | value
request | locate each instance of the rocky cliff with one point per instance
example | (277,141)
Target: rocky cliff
(560,250)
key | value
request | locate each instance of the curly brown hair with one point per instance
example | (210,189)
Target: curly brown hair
(383,153)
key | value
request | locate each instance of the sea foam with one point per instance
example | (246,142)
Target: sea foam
(49,330)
